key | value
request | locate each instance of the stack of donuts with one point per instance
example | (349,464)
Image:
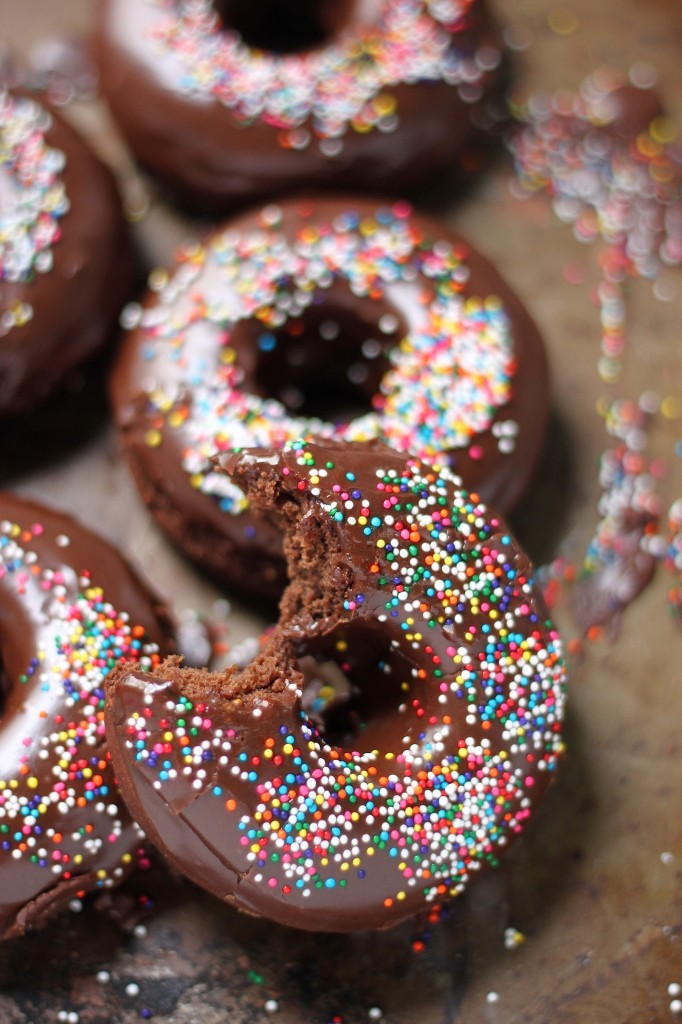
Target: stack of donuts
(327,400)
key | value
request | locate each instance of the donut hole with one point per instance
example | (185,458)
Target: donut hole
(356,685)
(327,360)
(286,26)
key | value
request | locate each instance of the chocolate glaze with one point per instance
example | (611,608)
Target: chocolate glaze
(450,736)
(76,303)
(242,550)
(601,595)
(63,827)
(213,162)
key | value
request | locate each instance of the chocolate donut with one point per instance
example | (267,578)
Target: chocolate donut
(408,592)
(70,608)
(301,308)
(64,252)
(392,92)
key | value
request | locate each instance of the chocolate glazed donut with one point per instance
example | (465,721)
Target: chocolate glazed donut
(70,608)
(376,95)
(65,268)
(418,611)
(298,312)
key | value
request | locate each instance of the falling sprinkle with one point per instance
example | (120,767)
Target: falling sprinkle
(609,159)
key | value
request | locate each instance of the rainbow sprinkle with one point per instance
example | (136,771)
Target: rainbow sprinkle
(318,95)
(480,714)
(32,196)
(623,189)
(59,809)
(445,382)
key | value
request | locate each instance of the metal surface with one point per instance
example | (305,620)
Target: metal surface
(583,923)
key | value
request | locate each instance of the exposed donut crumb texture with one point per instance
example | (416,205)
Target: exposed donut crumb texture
(444,737)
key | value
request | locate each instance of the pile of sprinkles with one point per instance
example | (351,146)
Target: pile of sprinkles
(479,726)
(59,810)
(445,381)
(319,95)
(32,197)
(620,187)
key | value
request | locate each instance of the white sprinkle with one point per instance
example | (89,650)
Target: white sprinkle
(643,75)
(329,330)
(665,289)
(271,1006)
(103,977)
(132,989)
(131,316)
(674,989)
(492,997)
(388,323)
(513,938)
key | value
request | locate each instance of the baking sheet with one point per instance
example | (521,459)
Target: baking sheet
(583,922)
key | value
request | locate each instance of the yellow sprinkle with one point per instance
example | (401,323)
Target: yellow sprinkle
(158,279)
(153,438)
(663,129)
(177,417)
(671,407)
(562,21)
(384,104)
(368,226)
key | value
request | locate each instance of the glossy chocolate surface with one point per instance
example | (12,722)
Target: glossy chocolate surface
(227,325)
(74,305)
(69,609)
(213,161)
(441,731)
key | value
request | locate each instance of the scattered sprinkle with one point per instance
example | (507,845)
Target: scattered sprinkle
(611,163)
